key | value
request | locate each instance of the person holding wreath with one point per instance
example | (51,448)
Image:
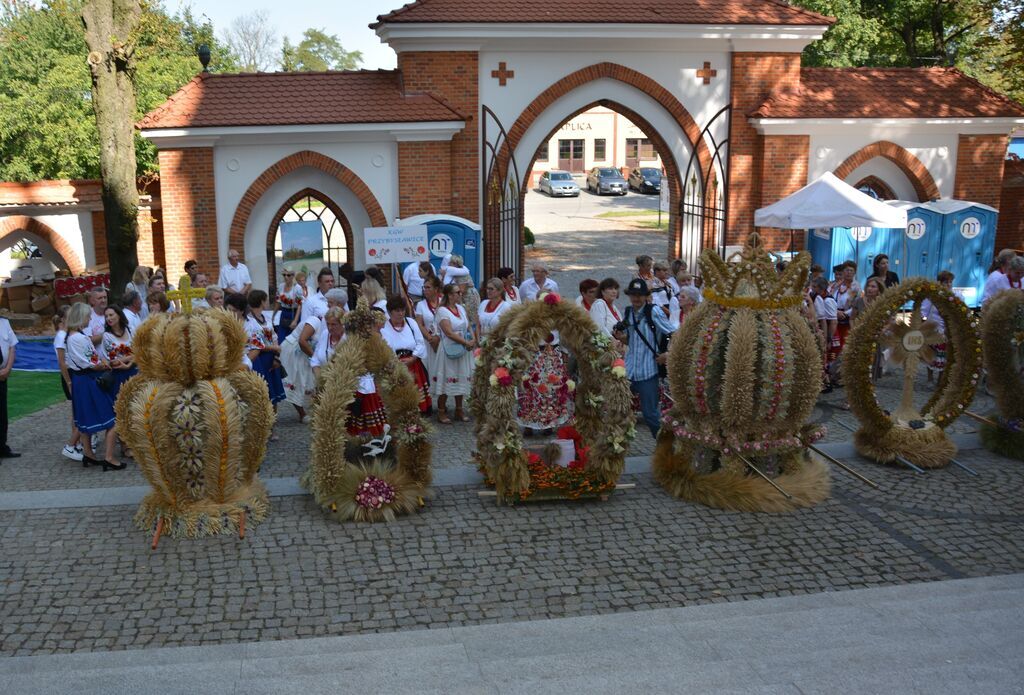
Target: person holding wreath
(452,374)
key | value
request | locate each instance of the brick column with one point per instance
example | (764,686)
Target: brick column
(188,210)
(754,77)
(425,178)
(1011,210)
(979,168)
(453,76)
(783,171)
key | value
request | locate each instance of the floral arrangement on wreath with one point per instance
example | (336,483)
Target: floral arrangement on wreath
(1002,337)
(198,422)
(363,478)
(917,435)
(603,404)
(745,372)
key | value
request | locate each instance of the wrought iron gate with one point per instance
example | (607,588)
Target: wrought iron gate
(704,207)
(500,187)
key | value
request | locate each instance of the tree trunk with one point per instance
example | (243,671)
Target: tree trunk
(110,32)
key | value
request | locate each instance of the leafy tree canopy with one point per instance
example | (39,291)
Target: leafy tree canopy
(47,126)
(316,52)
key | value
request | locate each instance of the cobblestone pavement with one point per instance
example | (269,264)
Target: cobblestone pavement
(85,580)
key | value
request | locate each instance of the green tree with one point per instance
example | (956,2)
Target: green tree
(47,124)
(316,52)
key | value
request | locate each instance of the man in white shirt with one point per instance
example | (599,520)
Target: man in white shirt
(413,281)
(540,281)
(132,309)
(98,302)
(202,282)
(7,342)
(316,304)
(234,276)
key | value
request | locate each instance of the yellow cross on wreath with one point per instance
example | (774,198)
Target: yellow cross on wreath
(186,294)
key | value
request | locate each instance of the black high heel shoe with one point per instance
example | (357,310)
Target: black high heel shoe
(108,466)
(89,461)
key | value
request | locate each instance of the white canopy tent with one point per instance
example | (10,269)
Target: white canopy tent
(829,202)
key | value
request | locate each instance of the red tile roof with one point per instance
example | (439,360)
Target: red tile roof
(295,98)
(888,93)
(604,11)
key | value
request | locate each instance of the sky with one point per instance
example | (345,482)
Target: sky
(348,19)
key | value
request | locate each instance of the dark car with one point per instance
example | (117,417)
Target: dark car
(603,180)
(558,183)
(645,180)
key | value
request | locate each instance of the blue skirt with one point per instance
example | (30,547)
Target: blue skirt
(264,366)
(284,329)
(121,376)
(93,407)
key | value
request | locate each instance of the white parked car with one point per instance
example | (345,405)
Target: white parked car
(558,183)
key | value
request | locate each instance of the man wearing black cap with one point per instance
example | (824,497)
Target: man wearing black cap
(645,332)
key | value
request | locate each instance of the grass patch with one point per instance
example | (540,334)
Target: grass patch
(28,392)
(653,224)
(629,213)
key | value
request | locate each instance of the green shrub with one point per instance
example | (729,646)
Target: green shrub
(528,238)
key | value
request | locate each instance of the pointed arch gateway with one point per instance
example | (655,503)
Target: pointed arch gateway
(501,224)
(912,167)
(344,227)
(20,223)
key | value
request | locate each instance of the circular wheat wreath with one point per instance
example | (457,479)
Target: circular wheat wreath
(1002,334)
(333,479)
(604,412)
(880,436)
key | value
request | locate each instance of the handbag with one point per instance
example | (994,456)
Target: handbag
(453,350)
(105,380)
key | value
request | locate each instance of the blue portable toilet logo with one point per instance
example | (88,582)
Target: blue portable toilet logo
(448,234)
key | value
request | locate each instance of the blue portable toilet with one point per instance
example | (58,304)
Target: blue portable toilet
(919,246)
(968,245)
(448,234)
(832,247)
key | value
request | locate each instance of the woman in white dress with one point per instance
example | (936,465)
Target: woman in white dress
(403,335)
(603,311)
(453,365)
(588,294)
(490,311)
(426,312)
(296,351)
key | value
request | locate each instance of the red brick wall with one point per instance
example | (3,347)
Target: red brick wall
(188,209)
(424,172)
(979,168)
(453,76)
(1011,210)
(99,237)
(783,171)
(754,77)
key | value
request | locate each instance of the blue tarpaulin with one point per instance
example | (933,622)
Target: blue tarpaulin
(35,354)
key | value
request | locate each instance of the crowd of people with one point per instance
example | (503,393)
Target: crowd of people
(433,325)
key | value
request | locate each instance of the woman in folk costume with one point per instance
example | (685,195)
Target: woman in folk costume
(289,305)
(588,294)
(603,309)
(366,412)
(508,280)
(544,397)
(426,318)
(263,350)
(491,310)
(452,374)
(117,347)
(405,338)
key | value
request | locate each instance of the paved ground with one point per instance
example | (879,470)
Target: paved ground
(949,637)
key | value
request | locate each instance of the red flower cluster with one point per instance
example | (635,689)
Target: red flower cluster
(374,493)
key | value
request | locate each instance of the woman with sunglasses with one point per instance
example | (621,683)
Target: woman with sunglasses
(289,305)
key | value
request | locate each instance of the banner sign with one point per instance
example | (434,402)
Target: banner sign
(395,244)
(302,246)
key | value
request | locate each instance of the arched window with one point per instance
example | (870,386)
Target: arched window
(336,234)
(876,188)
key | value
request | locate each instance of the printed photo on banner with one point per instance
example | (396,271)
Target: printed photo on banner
(395,244)
(302,246)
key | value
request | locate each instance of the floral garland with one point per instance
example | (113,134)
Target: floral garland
(603,414)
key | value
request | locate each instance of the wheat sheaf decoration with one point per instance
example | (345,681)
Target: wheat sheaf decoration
(359,478)
(1002,339)
(745,372)
(603,404)
(198,422)
(915,434)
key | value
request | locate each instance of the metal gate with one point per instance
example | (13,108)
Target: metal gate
(503,209)
(704,208)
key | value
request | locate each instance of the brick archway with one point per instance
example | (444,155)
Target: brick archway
(911,166)
(579,78)
(346,226)
(306,158)
(20,223)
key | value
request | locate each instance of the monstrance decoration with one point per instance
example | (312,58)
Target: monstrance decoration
(911,434)
(1002,337)
(364,478)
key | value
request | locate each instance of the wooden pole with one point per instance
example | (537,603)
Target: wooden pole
(156,534)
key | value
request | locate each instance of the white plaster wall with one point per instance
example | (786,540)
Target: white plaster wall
(936,150)
(74,227)
(264,211)
(237,166)
(41,267)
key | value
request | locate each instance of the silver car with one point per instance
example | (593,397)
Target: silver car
(558,183)
(603,180)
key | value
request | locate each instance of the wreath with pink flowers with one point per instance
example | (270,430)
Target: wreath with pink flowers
(604,416)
